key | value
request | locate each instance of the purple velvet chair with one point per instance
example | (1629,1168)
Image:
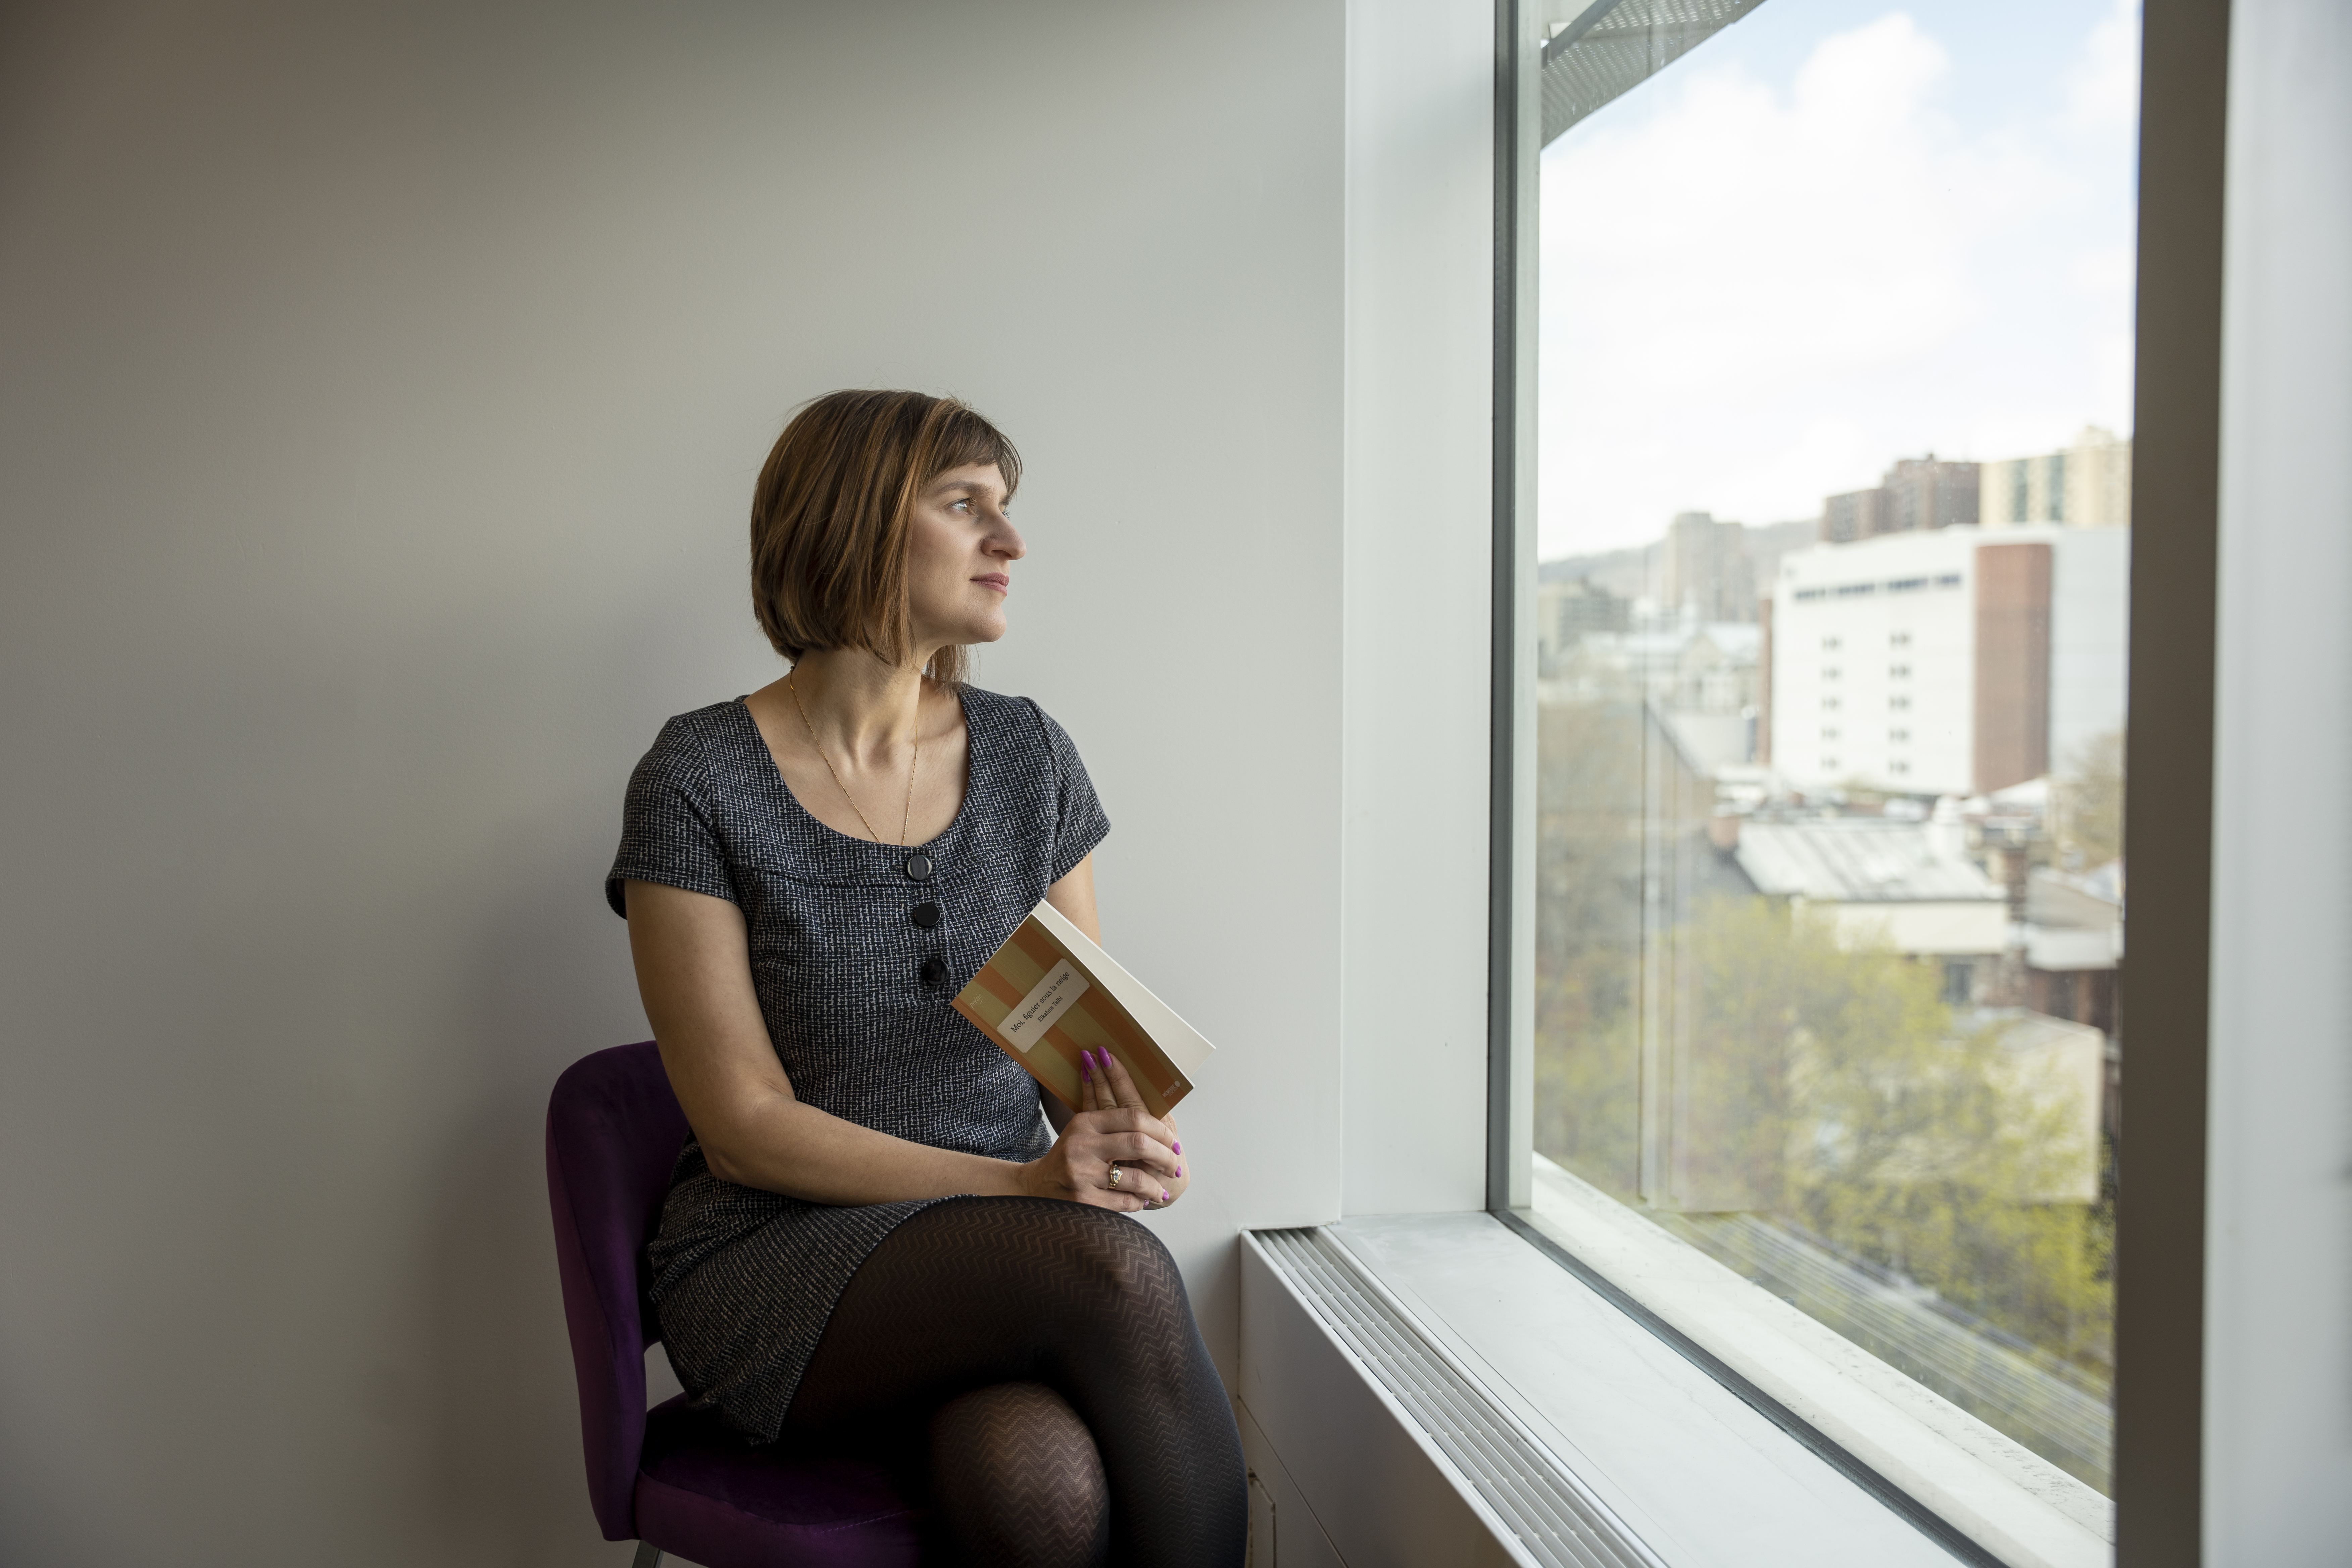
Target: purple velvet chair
(672,1478)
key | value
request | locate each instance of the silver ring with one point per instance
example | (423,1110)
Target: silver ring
(1115,1172)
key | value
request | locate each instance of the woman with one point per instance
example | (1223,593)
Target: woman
(871,1222)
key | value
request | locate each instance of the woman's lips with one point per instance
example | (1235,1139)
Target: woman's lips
(996,580)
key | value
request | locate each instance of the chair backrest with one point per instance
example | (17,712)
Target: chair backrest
(613,1130)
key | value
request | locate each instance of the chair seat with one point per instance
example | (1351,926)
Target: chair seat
(704,1494)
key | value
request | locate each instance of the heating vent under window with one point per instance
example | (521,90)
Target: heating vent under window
(1557,1519)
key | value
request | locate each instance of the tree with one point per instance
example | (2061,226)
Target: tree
(2089,803)
(1835,1089)
(1590,815)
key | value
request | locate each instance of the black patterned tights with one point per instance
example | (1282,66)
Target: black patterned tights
(1074,1414)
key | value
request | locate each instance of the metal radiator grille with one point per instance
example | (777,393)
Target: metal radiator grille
(1557,1519)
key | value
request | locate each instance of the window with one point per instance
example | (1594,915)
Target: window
(1795,1003)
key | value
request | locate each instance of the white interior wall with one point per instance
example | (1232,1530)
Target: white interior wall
(383,389)
(1420,328)
(2278,1362)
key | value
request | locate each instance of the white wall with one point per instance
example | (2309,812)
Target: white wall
(383,388)
(2089,637)
(1419,590)
(2278,1320)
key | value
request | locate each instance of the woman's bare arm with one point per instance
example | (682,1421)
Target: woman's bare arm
(694,973)
(1074,895)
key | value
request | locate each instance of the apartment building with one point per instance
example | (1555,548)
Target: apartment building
(1707,569)
(2088,485)
(1917,494)
(1955,661)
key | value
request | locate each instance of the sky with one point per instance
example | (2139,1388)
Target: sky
(1835,234)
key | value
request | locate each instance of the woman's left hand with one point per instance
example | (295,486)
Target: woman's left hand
(1105,1086)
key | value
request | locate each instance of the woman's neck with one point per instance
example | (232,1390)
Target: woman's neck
(857,704)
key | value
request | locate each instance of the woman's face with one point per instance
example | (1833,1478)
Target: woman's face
(960,551)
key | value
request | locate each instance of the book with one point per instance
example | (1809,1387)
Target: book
(1050,992)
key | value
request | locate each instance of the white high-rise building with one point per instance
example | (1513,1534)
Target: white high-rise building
(1952,662)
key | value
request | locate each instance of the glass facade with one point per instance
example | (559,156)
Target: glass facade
(1831,673)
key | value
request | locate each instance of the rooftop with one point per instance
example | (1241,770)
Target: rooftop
(1862,861)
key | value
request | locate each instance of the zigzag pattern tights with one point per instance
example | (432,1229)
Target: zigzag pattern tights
(1074,1415)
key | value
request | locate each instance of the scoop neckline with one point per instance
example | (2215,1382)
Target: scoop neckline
(973,754)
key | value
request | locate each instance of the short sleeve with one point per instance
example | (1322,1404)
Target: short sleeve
(666,832)
(1079,824)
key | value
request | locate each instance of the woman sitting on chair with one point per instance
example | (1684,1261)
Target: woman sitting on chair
(872,1222)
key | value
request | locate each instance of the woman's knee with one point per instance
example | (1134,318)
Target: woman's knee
(1017,1477)
(1122,1264)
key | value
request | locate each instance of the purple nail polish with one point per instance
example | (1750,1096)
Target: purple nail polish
(1176,1147)
(1180,1170)
(1164,1193)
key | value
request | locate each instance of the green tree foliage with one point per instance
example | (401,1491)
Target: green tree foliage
(2090,803)
(1826,1087)
(1589,940)
(1906,1138)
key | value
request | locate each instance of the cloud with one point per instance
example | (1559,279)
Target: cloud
(2104,92)
(1754,296)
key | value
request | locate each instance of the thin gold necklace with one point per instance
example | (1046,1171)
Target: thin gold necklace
(907,812)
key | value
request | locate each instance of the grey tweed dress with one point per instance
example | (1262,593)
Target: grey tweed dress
(856,949)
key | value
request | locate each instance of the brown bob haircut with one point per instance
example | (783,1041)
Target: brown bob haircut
(830,519)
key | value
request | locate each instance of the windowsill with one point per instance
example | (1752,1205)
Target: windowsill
(1692,1469)
(2008,1499)
(1693,1473)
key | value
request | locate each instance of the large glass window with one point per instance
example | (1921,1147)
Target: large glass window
(1833,489)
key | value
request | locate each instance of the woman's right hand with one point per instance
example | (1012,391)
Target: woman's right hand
(1110,1125)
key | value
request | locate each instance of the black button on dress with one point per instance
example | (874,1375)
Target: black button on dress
(855,996)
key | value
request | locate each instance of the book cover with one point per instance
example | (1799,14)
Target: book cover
(1050,992)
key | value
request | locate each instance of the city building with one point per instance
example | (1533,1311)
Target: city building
(1916,496)
(1707,569)
(2088,485)
(1565,612)
(1952,661)
(1908,887)
(1698,679)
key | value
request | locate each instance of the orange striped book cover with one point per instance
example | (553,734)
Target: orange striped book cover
(1050,992)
